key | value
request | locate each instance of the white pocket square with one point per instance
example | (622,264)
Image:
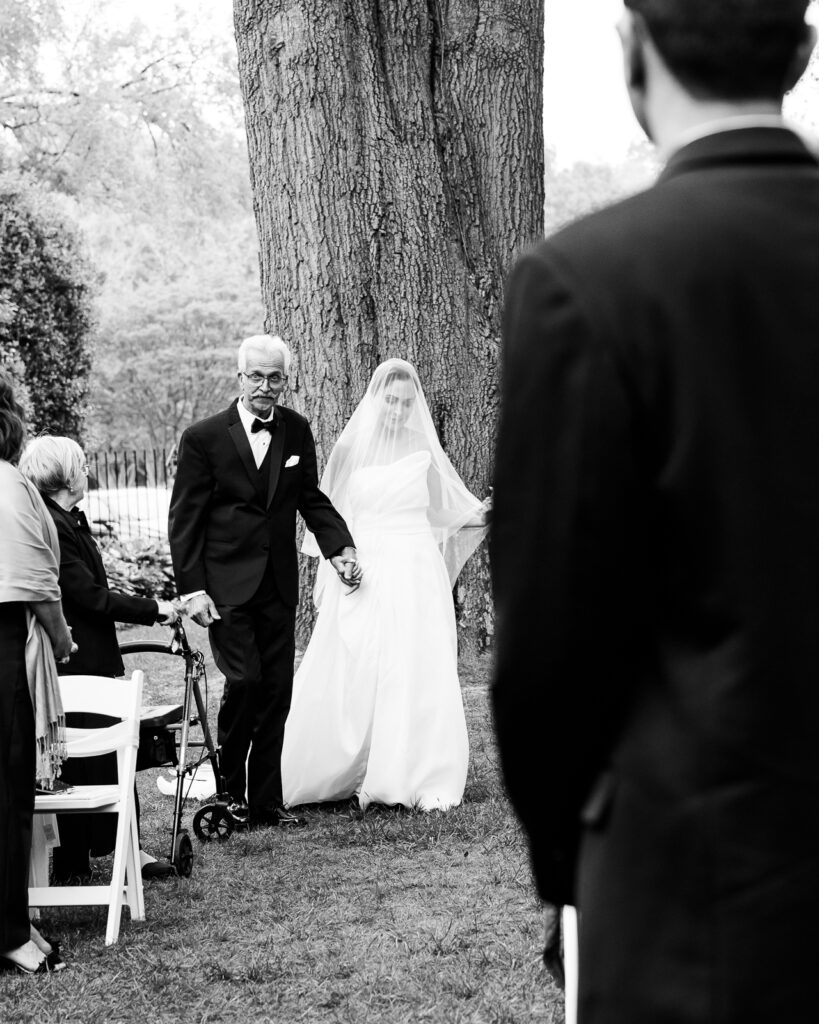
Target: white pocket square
(292,461)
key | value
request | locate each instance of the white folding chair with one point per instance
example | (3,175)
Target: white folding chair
(571,957)
(117,698)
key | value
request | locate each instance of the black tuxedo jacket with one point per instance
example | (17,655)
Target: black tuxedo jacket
(227,525)
(655,544)
(91,609)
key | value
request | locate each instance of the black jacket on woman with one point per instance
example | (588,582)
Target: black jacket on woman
(91,609)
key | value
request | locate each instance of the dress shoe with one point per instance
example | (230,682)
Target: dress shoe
(49,963)
(49,946)
(275,817)
(157,869)
(55,961)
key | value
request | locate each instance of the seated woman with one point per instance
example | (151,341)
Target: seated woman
(31,722)
(57,468)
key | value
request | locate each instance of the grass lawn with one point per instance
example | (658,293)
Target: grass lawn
(387,916)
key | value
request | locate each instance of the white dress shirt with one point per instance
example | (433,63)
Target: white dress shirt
(260,441)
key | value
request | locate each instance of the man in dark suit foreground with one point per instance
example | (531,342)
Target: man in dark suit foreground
(656,541)
(241,477)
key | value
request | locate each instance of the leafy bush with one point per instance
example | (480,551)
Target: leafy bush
(45,306)
(140,568)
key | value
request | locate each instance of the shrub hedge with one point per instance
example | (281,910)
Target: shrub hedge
(142,568)
(46,321)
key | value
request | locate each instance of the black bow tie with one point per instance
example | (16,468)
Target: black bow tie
(257,425)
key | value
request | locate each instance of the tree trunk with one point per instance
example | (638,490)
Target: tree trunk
(396,158)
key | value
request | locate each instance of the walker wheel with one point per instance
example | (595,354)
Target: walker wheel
(212,822)
(183,855)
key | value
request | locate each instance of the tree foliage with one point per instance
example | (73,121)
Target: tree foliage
(140,127)
(46,288)
(581,188)
(116,111)
(172,359)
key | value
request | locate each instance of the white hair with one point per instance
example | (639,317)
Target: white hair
(53,463)
(267,343)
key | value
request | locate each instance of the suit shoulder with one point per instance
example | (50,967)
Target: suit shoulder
(631,221)
(635,242)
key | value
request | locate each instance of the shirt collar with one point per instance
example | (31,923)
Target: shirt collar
(723,124)
(247,417)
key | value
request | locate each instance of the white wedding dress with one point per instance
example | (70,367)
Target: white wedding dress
(377,707)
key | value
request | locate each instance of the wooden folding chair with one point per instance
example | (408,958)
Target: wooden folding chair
(117,698)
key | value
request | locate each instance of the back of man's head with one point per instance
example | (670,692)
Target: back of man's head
(727,49)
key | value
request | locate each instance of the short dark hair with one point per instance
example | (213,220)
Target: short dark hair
(12,424)
(727,49)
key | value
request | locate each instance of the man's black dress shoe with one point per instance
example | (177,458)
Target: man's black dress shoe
(275,817)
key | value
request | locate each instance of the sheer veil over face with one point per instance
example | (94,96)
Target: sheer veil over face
(390,423)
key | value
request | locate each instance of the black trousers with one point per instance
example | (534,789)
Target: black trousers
(254,646)
(17,767)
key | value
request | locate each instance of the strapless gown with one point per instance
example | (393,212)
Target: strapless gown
(377,707)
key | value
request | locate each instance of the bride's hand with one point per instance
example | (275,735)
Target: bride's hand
(348,568)
(487,509)
(483,516)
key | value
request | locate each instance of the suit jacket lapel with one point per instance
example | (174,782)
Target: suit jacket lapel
(276,452)
(237,433)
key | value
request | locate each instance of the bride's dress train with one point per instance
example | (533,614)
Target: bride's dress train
(377,707)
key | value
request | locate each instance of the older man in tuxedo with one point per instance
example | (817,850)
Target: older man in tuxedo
(241,477)
(656,541)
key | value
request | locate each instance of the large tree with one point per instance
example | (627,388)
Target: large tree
(396,157)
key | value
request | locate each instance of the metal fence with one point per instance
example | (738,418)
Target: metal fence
(129,492)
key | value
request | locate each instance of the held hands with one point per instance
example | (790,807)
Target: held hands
(165,612)
(487,509)
(202,610)
(346,565)
(484,515)
(170,611)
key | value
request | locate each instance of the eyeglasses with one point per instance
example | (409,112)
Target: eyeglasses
(273,380)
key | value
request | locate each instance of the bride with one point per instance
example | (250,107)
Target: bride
(377,708)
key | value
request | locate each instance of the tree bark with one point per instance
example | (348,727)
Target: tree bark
(396,161)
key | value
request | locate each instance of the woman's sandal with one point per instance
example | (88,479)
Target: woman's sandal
(52,955)
(49,963)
